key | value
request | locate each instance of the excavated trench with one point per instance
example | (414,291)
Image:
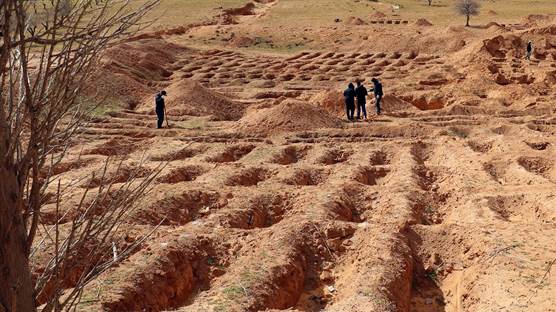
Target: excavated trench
(307,177)
(180,209)
(232,153)
(172,277)
(290,155)
(334,156)
(182,174)
(371,175)
(248,177)
(261,211)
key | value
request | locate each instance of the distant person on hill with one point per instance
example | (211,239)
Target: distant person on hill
(377,89)
(349,96)
(529,50)
(361,93)
(160,108)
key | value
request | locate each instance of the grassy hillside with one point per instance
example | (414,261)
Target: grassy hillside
(183,12)
(323,12)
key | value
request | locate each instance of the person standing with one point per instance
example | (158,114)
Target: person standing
(349,96)
(529,50)
(377,90)
(361,94)
(160,108)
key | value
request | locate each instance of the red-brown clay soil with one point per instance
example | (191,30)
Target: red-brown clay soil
(270,201)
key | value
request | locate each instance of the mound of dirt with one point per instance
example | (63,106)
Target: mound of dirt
(129,70)
(247,9)
(378,15)
(355,21)
(392,103)
(188,97)
(241,42)
(499,45)
(423,22)
(290,115)
(331,101)
(226,19)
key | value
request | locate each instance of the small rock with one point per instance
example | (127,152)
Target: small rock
(428,301)
(331,289)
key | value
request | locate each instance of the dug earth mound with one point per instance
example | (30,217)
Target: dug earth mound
(269,200)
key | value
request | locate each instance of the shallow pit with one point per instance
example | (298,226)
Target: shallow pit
(371,175)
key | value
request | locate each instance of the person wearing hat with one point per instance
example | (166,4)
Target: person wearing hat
(160,108)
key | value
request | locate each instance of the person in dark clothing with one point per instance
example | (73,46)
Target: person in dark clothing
(377,89)
(529,50)
(361,94)
(349,96)
(160,108)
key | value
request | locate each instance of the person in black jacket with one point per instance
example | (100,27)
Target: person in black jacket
(377,89)
(529,50)
(361,94)
(160,108)
(349,96)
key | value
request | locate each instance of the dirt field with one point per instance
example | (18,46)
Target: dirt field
(270,200)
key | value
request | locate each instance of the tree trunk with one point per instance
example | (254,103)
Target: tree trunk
(467,23)
(16,292)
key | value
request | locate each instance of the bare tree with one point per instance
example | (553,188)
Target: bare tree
(467,8)
(87,246)
(49,49)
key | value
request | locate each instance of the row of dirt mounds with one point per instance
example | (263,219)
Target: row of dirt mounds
(232,69)
(298,222)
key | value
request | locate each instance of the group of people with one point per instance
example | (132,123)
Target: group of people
(350,94)
(360,93)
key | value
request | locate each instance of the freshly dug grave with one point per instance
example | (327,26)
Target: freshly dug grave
(290,115)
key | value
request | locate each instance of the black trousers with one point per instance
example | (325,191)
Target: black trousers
(378,103)
(350,111)
(361,107)
(160,115)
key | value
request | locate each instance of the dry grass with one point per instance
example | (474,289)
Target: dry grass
(183,12)
(323,12)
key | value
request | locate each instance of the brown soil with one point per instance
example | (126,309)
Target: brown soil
(286,116)
(423,22)
(268,201)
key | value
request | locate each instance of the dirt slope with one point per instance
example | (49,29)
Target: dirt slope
(270,202)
